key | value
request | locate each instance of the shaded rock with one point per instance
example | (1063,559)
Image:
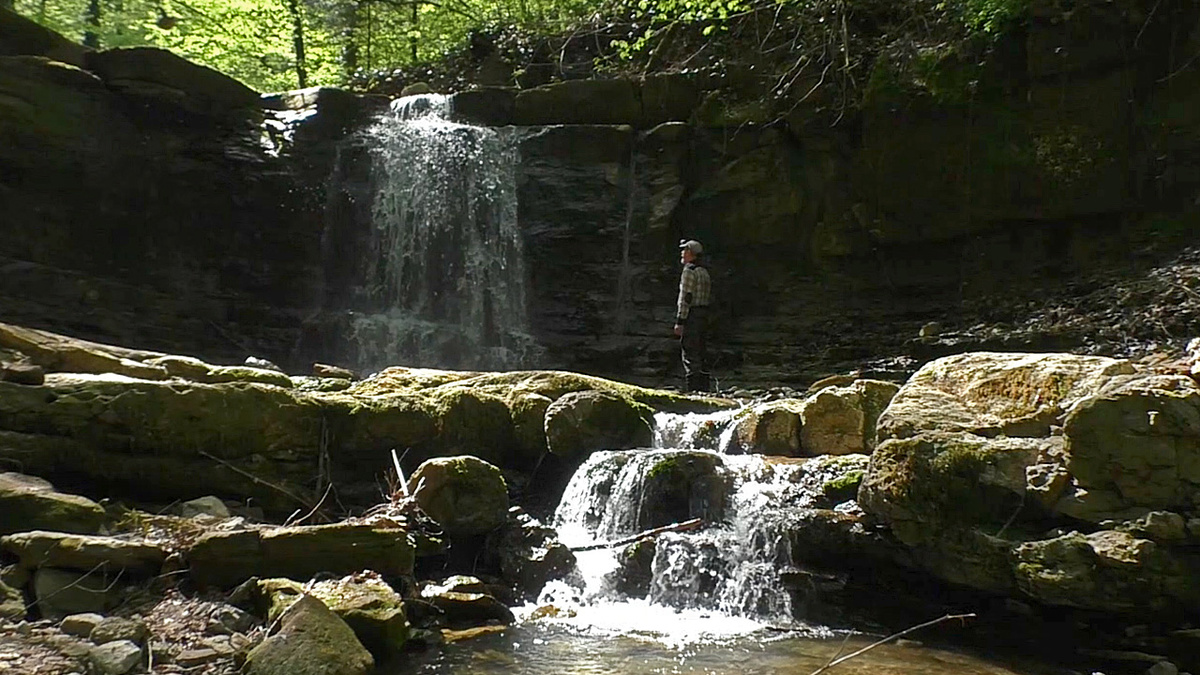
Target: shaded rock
(224,559)
(368,605)
(12,602)
(579,102)
(116,658)
(28,503)
(206,506)
(21,36)
(634,575)
(468,609)
(579,423)
(488,106)
(841,420)
(84,553)
(771,428)
(530,553)
(163,76)
(464,494)
(471,422)
(312,640)
(60,593)
(923,484)
(994,393)
(114,628)
(679,486)
(668,97)
(80,625)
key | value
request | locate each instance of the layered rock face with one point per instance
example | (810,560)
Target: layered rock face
(142,206)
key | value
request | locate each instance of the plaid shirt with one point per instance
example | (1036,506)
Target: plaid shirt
(695,290)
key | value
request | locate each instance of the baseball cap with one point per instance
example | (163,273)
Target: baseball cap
(691,245)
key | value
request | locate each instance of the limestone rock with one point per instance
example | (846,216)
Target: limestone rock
(1108,570)
(1139,439)
(489,106)
(59,353)
(464,494)
(529,426)
(368,605)
(312,640)
(116,658)
(80,625)
(224,559)
(579,423)
(28,503)
(994,393)
(84,553)
(206,506)
(841,420)
(114,628)
(633,574)
(771,428)
(678,486)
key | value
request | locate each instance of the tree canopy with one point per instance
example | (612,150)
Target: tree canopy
(283,44)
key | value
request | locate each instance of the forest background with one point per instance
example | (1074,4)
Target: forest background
(275,45)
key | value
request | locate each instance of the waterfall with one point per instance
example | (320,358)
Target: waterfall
(446,279)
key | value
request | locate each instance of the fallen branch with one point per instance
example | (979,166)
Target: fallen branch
(686,525)
(888,639)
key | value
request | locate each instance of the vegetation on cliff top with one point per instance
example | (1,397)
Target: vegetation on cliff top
(282,44)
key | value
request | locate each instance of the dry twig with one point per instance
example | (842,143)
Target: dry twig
(888,639)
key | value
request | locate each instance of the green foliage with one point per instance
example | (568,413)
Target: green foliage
(993,16)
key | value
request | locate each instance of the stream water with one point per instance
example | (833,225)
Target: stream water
(708,601)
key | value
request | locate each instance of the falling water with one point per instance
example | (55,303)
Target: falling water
(447,277)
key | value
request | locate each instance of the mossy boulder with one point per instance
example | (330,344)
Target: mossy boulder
(579,423)
(529,427)
(465,495)
(678,486)
(368,605)
(85,553)
(312,640)
(923,485)
(472,422)
(162,76)
(28,503)
(529,553)
(579,102)
(12,603)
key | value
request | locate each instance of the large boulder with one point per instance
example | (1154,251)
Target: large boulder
(582,422)
(529,553)
(161,75)
(992,394)
(28,503)
(579,102)
(224,559)
(312,640)
(464,494)
(23,37)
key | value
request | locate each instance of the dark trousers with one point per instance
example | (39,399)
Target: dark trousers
(693,347)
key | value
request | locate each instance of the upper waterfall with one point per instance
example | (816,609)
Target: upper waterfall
(446,279)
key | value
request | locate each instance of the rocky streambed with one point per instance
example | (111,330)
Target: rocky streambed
(206,519)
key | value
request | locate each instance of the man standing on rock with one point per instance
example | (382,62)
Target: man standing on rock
(691,316)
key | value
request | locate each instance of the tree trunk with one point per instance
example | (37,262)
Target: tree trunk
(349,33)
(298,42)
(91,36)
(412,40)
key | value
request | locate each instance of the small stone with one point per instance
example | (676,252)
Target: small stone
(116,658)
(1163,668)
(204,506)
(80,625)
(226,620)
(931,329)
(22,373)
(190,658)
(325,370)
(255,362)
(116,628)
